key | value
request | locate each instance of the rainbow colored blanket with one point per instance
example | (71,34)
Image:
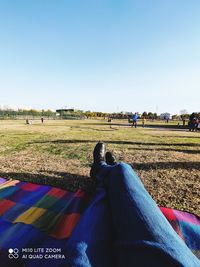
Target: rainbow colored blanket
(36,222)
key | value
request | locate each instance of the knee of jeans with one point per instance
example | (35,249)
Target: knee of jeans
(124,167)
(124,172)
(121,170)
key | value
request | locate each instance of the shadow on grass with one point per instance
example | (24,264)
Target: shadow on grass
(99,130)
(168,127)
(73,182)
(62,141)
(189,151)
(166,165)
(66,181)
(177,136)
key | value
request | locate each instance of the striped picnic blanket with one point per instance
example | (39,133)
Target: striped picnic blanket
(36,222)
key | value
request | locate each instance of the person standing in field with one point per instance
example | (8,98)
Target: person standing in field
(135,120)
(196,124)
(143,121)
(42,119)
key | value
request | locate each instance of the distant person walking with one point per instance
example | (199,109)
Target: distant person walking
(42,119)
(135,116)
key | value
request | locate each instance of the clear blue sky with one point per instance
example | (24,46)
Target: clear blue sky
(102,55)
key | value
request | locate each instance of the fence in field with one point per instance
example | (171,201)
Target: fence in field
(17,115)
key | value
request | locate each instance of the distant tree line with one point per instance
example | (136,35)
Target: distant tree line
(73,114)
(12,114)
(150,115)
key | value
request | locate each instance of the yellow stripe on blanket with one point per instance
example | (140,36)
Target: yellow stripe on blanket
(31,215)
(9,183)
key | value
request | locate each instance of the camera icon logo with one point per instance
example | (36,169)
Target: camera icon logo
(13,253)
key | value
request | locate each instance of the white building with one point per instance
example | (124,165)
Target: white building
(165,116)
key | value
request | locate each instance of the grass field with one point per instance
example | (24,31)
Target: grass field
(60,153)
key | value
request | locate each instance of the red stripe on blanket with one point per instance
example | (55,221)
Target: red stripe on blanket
(30,186)
(168,213)
(65,225)
(5,205)
(56,192)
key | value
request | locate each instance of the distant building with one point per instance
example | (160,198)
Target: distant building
(69,114)
(63,110)
(165,116)
(128,113)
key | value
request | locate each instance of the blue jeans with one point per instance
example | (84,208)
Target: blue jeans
(124,227)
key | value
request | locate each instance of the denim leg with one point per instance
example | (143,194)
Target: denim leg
(91,243)
(143,236)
